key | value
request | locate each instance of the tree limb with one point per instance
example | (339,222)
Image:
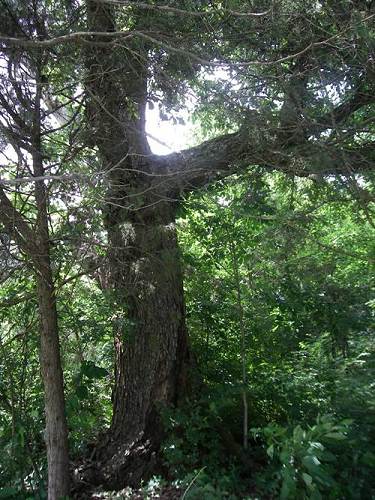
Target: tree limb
(17,228)
(223,156)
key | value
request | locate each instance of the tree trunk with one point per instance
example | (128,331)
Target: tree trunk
(56,427)
(146,278)
(50,361)
(151,343)
(36,247)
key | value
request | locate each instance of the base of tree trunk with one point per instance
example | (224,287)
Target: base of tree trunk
(130,465)
(112,465)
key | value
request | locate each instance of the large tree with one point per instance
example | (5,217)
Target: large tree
(306,134)
(293,84)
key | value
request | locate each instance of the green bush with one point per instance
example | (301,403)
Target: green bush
(304,463)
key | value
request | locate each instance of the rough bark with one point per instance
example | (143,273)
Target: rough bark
(50,359)
(150,344)
(56,436)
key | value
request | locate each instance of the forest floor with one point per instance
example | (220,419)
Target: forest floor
(164,493)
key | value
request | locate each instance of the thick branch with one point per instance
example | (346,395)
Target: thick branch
(223,156)
(261,143)
(193,168)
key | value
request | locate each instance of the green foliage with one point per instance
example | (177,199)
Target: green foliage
(309,339)
(195,454)
(86,340)
(301,461)
(192,438)
(199,484)
(306,296)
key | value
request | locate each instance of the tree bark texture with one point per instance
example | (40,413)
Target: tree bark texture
(50,360)
(150,346)
(56,436)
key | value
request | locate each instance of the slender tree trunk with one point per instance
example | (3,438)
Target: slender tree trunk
(50,360)
(56,426)
(36,246)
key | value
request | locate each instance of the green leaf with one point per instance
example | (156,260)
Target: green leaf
(315,495)
(307,478)
(289,487)
(347,422)
(270,451)
(368,459)
(298,434)
(338,436)
(285,456)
